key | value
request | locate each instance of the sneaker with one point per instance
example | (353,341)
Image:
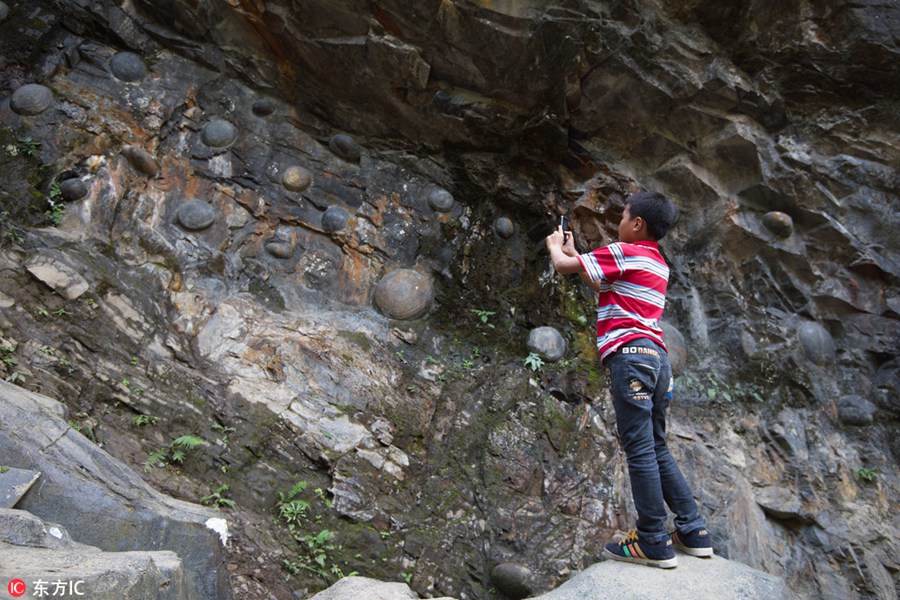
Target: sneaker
(632,549)
(695,543)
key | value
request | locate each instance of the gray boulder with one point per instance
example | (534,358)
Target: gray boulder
(548,342)
(355,588)
(695,579)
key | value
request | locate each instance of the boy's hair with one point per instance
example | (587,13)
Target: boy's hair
(658,212)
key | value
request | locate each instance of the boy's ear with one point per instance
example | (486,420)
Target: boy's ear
(639,224)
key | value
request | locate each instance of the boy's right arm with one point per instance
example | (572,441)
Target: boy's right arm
(568,249)
(562,262)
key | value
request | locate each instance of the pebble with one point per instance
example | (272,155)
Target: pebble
(218,133)
(345,146)
(31,99)
(195,215)
(441,200)
(128,67)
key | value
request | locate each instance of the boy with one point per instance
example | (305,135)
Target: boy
(631,278)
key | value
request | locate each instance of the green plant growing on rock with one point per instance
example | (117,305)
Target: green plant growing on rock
(175,452)
(218,499)
(714,387)
(484,317)
(11,233)
(224,430)
(534,362)
(316,548)
(28,146)
(865,475)
(57,209)
(144,420)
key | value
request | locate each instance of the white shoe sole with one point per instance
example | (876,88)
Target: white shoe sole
(698,552)
(669,563)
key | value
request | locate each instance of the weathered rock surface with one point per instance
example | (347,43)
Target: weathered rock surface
(45,559)
(101,490)
(703,579)
(440,454)
(352,588)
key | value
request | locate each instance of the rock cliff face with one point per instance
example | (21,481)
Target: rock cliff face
(309,235)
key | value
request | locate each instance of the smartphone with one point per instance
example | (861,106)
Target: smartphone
(564,224)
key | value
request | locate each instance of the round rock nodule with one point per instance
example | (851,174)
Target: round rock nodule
(218,133)
(512,580)
(4,11)
(547,342)
(195,215)
(141,160)
(779,223)
(296,179)
(73,189)
(404,294)
(441,200)
(335,219)
(263,107)
(817,343)
(345,146)
(676,346)
(280,249)
(856,410)
(31,99)
(504,227)
(128,67)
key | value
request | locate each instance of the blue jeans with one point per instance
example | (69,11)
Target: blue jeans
(641,385)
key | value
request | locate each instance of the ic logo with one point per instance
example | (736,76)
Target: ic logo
(16,588)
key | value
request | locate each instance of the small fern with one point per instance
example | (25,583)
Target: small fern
(154,458)
(296,489)
(189,442)
(175,452)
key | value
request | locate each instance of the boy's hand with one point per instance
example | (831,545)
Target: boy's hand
(555,239)
(568,246)
(562,253)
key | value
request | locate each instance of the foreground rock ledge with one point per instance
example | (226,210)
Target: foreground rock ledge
(82,486)
(694,579)
(45,559)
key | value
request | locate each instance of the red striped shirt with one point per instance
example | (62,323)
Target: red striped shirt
(633,280)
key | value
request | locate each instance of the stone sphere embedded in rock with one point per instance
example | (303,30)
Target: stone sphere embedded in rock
(127,66)
(676,347)
(441,200)
(335,219)
(512,580)
(4,11)
(195,215)
(296,179)
(504,227)
(817,343)
(547,342)
(280,249)
(218,133)
(779,223)
(345,146)
(404,294)
(856,410)
(263,107)
(73,189)
(31,99)
(141,160)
